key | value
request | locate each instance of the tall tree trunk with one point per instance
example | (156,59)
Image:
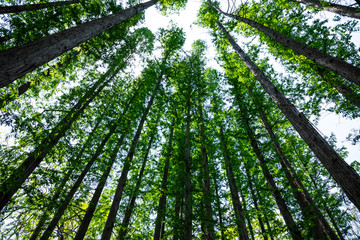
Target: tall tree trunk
(219,209)
(18,61)
(290,223)
(265,214)
(209,222)
(33,7)
(258,212)
(128,212)
(336,65)
(333,8)
(251,230)
(14,182)
(344,175)
(99,188)
(188,194)
(321,228)
(59,188)
(163,190)
(109,225)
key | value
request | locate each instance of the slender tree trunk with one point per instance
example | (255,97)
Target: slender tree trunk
(336,65)
(8,98)
(265,214)
(209,222)
(290,223)
(14,182)
(333,8)
(177,210)
(33,7)
(321,228)
(344,175)
(251,230)
(59,189)
(262,227)
(109,225)
(188,194)
(18,61)
(128,212)
(99,188)
(162,202)
(219,209)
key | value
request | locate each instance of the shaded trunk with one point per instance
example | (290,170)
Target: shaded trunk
(18,61)
(265,214)
(209,222)
(333,8)
(59,189)
(8,98)
(162,202)
(33,7)
(219,209)
(251,230)
(99,188)
(14,182)
(109,225)
(336,65)
(188,194)
(321,228)
(343,174)
(290,223)
(128,212)
(262,227)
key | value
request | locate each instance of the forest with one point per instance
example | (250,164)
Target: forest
(110,130)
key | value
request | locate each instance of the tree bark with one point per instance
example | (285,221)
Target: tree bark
(14,182)
(33,7)
(163,193)
(343,174)
(209,222)
(336,65)
(333,8)
(109,225)
(321,228)
(251,230)
(219,209)
(128,212)
(59,189)
(18,61)
(290,223)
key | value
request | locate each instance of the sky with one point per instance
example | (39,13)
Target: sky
(328,123)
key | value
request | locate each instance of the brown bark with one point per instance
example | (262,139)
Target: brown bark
(251,230)
(218,205)
(321,228)
(336,65)
(209,222)
(18,61)
(33,7)
(14,182)
(109,225)
(162,201)
(333,8)
(343,174)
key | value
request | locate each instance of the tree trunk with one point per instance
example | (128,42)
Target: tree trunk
(59,189)
(290,223)
(209,222)
(188,194)
(128,212)
(333,8)
(344,175)
(265,214)
(33,7)
(258,212)
(18,61)
(336,65)
(162,202)
(251,230)
(14,182)
(321,228)
(109,225)
(99,188)
(8,98)
(219,210)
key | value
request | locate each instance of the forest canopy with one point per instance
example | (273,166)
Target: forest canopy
(110,130)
